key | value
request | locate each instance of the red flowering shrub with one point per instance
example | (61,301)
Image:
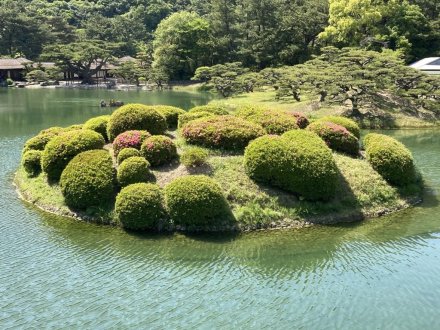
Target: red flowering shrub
(159,150)
(336,136)
(228,132)
(301,120)
(129,139)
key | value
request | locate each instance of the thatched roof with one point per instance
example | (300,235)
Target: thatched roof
(12,63)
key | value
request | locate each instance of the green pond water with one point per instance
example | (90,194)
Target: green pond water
(59,273)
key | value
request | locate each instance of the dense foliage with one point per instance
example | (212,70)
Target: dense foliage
(189,116)
(135,117)
(194,156)
(336,136)
(88,180)
(273,122)
(129,139)
(390,158)
(140,206)
(99,125)
(349,124)
(227,132)
(62,148)
(127,153)
(159,150)
(298,162)
(211,108)
(196,200)
(31,162)
(133,170)
(170,113)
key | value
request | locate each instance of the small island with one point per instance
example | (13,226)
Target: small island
(212,168)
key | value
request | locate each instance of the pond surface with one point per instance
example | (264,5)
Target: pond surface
(59,273)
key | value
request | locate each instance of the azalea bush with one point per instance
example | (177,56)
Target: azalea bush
(336,136)
(159,150)
(129,139)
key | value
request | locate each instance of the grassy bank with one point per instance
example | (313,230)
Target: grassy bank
(362,193)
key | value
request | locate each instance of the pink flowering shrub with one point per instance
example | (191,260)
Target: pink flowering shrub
(336,137)
(226,132)
(129,139)
(158,150)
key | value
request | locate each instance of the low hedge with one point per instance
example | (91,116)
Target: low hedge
(62,148)
(31,162)
(273,122)
(196,200)
(127,153)
(39,141)
(190,116)
(248,110)
(159,150)
(88,180)
(227,132)
(135,117)
(170,113)
(336,136)
(349,124)
(194,156)
(301,120)
(129,139)
(99,125)
(297,162)
(140,206)
(134,170)
(210,108)
(390,158)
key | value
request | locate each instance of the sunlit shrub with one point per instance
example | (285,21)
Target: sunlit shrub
(194,156)
(99,125)
(134,170)
(129,139)
(127,153)
(31,162)
(336,136)
(159,150)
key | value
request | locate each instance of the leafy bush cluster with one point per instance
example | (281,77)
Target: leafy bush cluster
(135,117)
(298,162)
(88,180)
(127,153)
(62,148)
(194,156)
(134,170)
(39,141)
(159,150)
(99,125)
(196,200)
(349,124)
(390,158)
(227,132)
(210,108)
(129,139)
(31,162)
(189,116)
(336,136)
(170,113)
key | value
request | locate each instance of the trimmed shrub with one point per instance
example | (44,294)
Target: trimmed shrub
(194,156)
(73,127)
(349,124)
(31,162)
(248,110)
(159,150)
(170,113)
(210,108)
(62,148)
(390,158)
(196,200)
(140,206)
(190,116)
(228,132)
(88,180)
(99,125)
(129,139)
(273,122)
(127,153)
(39,141)
(336,136)
(133,170)
(301,120)
(297,162)
(135,117)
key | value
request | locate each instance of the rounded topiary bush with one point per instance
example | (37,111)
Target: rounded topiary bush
(390,158)
(135,117)
(140,206)
(88,180)
(196,200)
(336,136)
(98,124)
(228,132)
(159,150)
(134,170)
(298,162)
(62,148)
(210,108)
(273,122)
(349,124)
(129,139)
(127,153)
(301,120)
(39,141)
(31,162)
(170,113)
(190,116)
(194,156)
(247,110)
